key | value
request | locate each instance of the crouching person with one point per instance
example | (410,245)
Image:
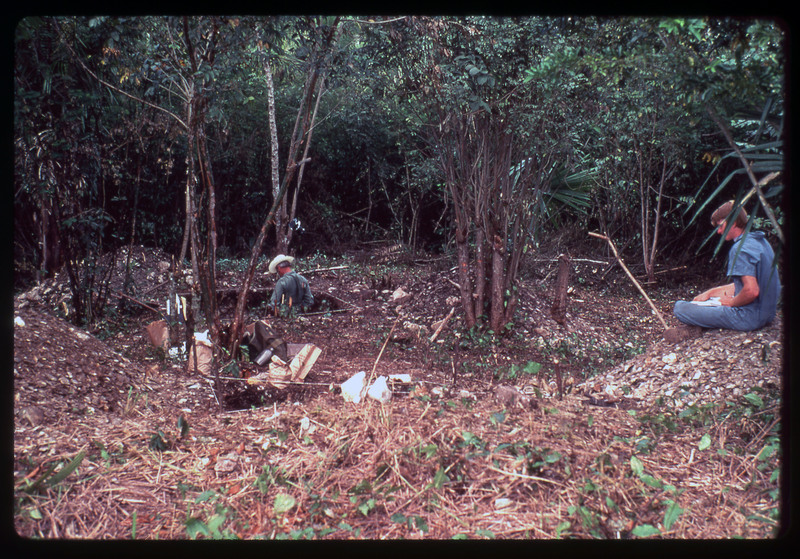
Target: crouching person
(750,301)
(292,292)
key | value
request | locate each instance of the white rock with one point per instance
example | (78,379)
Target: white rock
(306,427)
(354,388)
(380,391)
(502,503)
(18,321)
(669,358)
(398,294)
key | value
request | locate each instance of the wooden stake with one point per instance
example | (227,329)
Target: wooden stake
(389,337)
(442,325)
(633,279)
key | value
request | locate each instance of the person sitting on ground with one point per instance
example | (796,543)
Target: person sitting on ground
(751,300)
(292,291)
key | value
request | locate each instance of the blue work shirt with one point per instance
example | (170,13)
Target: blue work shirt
(748,256)
(753,256)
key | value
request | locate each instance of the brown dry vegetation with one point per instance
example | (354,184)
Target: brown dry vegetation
(594,455)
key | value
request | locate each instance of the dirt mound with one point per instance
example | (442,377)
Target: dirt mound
(61,370)
(719,365)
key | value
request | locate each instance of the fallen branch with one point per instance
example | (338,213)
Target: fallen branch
(633,279)
(670,270)
(325,269)
(317,313)
(137,301)
(573,259)
(442,325)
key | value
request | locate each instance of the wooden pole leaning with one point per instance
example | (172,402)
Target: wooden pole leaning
(636,283)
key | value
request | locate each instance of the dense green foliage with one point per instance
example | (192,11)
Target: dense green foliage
(613,120)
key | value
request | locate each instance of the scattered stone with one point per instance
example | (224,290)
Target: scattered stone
(158,334)
(400,378)
(695,370)
(399,296)
(34,415)
(226,464)
(681,333)
(511,397)
(204,352)
(502,503)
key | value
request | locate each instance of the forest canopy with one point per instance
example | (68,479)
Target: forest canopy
(218,137)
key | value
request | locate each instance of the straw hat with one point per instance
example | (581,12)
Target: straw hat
(277,260)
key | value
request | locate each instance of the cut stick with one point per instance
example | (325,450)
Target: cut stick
(389,337)
(633,279)
(325,269)
(442,325)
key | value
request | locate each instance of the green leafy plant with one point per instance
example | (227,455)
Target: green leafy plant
(51,478)
(283,503)
(412,522)
(210,524)
(672,511)
(531,368)
(160,442)
(269,476)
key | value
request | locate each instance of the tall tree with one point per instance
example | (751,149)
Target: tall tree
(299,135)
(499,139)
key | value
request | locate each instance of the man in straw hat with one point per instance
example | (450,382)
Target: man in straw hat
(751,300)
(291,290)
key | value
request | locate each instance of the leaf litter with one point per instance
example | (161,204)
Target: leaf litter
(114,441)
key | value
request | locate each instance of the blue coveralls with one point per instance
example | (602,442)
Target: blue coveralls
(755,258)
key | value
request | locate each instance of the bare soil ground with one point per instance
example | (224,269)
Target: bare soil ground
(610,433)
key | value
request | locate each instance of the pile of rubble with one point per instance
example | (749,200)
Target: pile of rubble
(717,366)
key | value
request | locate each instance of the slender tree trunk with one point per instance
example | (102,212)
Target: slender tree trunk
(293,212)
(651,271)
(208,270)
(273,134)
(278,202)
(481,260)
(464,281)
(238,317)
(189,175)
(559,308)
(302,126)
(498,268)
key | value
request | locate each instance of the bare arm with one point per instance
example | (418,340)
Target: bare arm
(747,295)
(720,291)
